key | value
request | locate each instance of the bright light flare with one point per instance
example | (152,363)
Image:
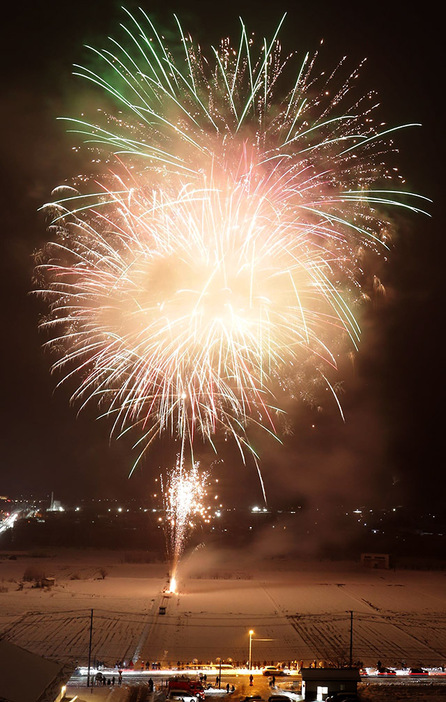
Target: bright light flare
(172,586)
(184,499)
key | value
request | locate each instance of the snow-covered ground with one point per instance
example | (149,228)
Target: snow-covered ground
(300,612)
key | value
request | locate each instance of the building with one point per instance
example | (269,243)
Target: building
(318,683)
(375,560)
(27,677)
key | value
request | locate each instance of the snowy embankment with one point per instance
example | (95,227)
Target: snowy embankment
(300,614)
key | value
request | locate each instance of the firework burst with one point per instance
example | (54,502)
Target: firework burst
(223,247)
(184,501)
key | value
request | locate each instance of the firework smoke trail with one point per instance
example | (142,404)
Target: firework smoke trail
(184,502)
(222,249)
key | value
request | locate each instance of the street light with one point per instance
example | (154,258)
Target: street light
(251,633)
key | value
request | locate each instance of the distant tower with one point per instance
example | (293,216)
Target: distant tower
(55,505)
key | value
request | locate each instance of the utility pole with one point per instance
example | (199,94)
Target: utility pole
(89,648)
(351,638)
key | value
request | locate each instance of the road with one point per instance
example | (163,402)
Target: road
(240,680)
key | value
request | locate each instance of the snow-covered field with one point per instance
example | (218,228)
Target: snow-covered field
(298,612)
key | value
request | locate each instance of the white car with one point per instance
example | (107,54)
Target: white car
(183,695)
(272,670)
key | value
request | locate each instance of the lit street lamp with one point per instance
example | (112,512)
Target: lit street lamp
(251,633)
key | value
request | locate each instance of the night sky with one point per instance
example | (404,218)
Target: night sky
(390,449)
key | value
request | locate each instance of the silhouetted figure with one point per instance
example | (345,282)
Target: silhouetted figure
(251,679)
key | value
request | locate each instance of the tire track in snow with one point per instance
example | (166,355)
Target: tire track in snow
(289,640)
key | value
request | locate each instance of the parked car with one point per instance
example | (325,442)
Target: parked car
(418,671)
(386,671)
(192,687)
(183,695)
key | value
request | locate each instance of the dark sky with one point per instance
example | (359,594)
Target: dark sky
(390,447)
